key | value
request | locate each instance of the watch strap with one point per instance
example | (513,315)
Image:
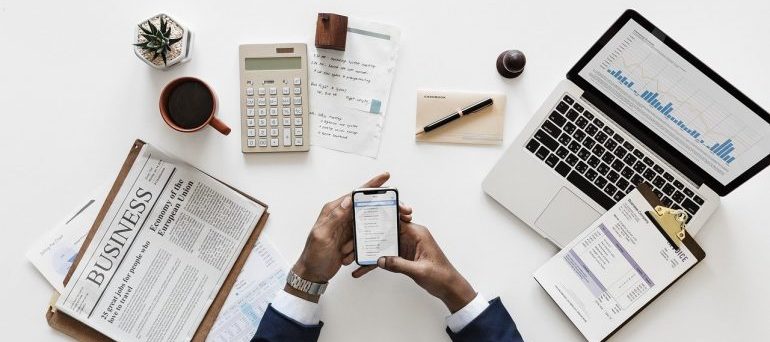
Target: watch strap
(306,286)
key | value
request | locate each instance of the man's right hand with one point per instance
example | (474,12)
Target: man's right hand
(422,260)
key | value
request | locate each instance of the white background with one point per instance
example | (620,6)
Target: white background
(73,97)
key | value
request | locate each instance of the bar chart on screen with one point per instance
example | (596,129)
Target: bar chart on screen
(722,150)
(679,103)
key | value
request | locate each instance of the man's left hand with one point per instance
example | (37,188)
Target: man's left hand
(330,243)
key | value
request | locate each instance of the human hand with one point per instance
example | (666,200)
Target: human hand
(422,260)
(330,242)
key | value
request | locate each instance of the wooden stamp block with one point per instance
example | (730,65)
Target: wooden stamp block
(331,31)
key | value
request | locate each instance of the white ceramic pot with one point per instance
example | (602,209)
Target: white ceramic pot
(180,50)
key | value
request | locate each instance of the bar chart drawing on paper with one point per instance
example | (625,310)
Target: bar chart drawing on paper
(675,100)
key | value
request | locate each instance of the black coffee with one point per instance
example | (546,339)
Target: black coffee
(190,104)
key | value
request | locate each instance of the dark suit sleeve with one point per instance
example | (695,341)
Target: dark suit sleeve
(275,327)
(493,325)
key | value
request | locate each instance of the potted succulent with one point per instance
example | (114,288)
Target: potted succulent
(162,42)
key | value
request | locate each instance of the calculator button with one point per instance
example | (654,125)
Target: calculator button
(274,132)
(286,101)
(287,137)
(261,91)
(273,111)
(298,131)
(274,142)
(250,102)
(297,90)
(250,91)
(285,91)
(251,132)
(262,112)
(297,121)
(273,91)
(286,111)
(298,141)
(297,81)
(287,121)
(273,101)
(250,112)
(250,122)
(260,101)
(263,142)
(297,100)
(262,122)
(262,132)
(251,142)
(273,122)
(297,110)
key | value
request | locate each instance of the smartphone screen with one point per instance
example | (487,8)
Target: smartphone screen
(376,224)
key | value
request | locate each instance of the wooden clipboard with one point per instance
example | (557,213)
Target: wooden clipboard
(688,242)
(81,332)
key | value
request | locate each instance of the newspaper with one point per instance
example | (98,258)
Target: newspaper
(161,253)
(263,275)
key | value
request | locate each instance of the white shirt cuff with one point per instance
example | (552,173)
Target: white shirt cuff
(460,319)
(298,309)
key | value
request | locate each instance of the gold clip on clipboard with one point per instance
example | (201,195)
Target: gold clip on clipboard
(670,222)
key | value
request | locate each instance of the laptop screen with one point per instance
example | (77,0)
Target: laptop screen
(679,103)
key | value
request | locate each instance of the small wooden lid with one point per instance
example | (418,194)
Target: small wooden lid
(510,63)
(331,31)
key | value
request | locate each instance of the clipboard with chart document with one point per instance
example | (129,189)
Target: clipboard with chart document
(617,266)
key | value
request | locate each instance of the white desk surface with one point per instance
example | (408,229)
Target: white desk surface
(73,98)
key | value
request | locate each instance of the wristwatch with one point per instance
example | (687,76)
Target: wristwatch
(306,286)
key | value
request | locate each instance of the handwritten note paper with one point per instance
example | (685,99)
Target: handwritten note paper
(349,89)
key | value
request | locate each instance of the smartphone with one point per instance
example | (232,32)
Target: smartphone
(376,224)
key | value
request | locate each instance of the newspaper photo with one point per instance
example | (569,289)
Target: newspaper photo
(161,253)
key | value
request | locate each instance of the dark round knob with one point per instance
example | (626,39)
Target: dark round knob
(510,63)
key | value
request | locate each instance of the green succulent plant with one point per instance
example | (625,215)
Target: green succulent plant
(158,39)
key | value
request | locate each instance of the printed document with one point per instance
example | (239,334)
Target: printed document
(349,89)
(611,270)
(161,253)
(263,275)
(55,252)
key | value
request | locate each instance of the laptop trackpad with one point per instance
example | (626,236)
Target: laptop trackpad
(565,217)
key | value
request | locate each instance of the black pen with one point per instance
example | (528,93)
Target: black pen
(456,115)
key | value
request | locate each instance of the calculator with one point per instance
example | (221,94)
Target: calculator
(274,106)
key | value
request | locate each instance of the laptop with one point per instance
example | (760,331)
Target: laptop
(637,107)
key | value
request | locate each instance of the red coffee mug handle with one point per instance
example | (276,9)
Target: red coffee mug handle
(219,126)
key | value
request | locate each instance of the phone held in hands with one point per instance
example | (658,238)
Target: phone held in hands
(376,224)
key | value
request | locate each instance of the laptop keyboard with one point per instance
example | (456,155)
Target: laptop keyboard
(591,155)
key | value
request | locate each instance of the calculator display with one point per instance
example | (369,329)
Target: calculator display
(273,63)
